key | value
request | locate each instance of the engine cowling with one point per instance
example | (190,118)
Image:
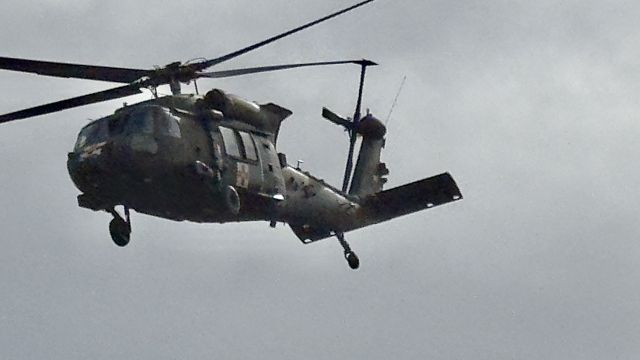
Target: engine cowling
(266,117)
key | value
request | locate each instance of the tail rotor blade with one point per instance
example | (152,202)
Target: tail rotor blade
(336,119)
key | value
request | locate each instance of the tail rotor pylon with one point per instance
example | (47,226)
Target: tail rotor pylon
(352,126)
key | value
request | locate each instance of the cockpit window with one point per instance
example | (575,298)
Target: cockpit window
(92,134)
(140,123)
(143,120)
(167,123)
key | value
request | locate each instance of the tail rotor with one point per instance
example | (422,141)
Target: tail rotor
(351,125)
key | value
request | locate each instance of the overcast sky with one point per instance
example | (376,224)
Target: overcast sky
(532,106)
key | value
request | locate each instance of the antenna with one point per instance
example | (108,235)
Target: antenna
(395,100)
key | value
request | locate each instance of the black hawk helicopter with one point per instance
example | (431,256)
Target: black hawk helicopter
(213,158)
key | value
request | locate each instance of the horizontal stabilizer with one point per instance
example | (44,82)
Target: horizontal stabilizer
(409,198)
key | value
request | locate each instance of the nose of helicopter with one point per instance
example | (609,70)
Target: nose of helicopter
(88,167)
(109,168)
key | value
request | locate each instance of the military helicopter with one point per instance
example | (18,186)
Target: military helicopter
(213,158)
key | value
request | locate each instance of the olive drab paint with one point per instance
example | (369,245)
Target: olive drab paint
(214,158)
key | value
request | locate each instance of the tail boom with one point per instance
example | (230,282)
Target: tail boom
(383,206)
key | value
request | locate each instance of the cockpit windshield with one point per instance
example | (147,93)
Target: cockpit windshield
(92,134)
(148,120)
(139,122)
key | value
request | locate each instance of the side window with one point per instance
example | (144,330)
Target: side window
(230,142)
(249,146)
(239,144)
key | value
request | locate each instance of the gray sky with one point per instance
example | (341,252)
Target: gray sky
(532,106)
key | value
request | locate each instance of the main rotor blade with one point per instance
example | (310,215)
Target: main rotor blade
(205,64)
(66,70)
(105,95)
(259,69)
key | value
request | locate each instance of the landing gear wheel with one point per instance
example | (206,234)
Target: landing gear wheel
(119,228)
(231,199)
(352,259)
(120,231)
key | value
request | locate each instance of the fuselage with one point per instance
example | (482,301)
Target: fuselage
(172,160)
(213,158)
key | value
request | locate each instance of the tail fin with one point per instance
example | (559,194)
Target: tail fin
(368,177)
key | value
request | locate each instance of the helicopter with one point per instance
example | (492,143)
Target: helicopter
(213,158)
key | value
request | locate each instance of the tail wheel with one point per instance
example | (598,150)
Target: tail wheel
(349,255)
(352,260)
